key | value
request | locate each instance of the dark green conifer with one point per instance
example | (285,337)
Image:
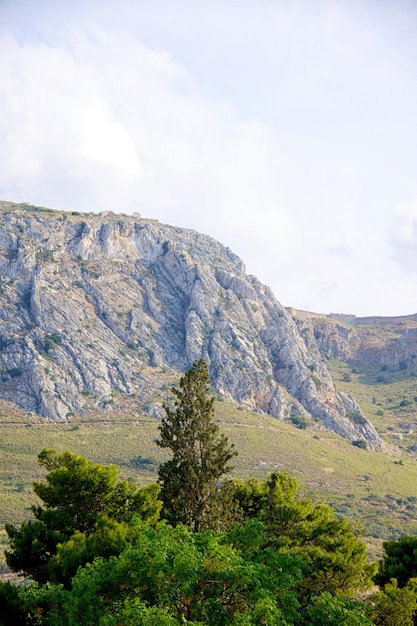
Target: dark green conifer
(201,454)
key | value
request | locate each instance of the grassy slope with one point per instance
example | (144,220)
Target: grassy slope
(371,488)
(387,397)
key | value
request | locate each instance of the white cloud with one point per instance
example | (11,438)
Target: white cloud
(103,122)
(284,130)
(404,236)
(106,140)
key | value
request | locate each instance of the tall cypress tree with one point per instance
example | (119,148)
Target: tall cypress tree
(200,454)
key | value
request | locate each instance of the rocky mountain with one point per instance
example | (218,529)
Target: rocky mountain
(93,305)
(390,342)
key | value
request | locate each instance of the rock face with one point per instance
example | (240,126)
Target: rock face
(94,304)
(383,341)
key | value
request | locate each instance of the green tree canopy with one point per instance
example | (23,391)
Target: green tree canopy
(80,498)
(328,610)
(288,562)
(171,576)
(200,454)
(12,612)
(335,559)
(180,577)
(395,606)
(399,562)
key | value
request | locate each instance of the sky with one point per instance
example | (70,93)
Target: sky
(287,130)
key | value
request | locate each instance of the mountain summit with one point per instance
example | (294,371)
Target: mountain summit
(97,304)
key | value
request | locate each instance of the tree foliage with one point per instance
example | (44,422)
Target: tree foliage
(334,558)
(395,606)
(399,562)
(12,612)
(200,454)
(287,562)
(84,505)
(97,552)
(328,610)
(186,577)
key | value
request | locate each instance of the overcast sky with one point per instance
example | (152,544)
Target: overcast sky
(287,130)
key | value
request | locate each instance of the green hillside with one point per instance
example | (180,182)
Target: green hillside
(387,397)
(379,491)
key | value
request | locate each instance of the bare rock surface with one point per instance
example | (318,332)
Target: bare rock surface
(389,342)
(93,304)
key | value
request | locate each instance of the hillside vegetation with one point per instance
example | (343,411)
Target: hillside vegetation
(100,313)
(196,547)
(376,490)
(387,396)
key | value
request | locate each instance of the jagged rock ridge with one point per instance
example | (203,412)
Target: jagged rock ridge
(389,342)
(96,304)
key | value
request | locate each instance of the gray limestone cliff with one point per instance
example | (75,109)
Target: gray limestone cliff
(389,342)
(97,304)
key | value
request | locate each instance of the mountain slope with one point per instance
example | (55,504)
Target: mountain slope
(375,360)
(96,304)
(389,342)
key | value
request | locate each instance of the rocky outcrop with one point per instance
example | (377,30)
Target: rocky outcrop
(387,342)
(94,304)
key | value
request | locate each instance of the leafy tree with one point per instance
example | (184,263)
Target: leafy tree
(11,607)
(180,577)
(75,490)
(395,606)
(31,548)
(399,562)
(171,576)
(200,454)
(110,538)
(288,561)
(335,560)
(80,497)
(136,613)
(328,610)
